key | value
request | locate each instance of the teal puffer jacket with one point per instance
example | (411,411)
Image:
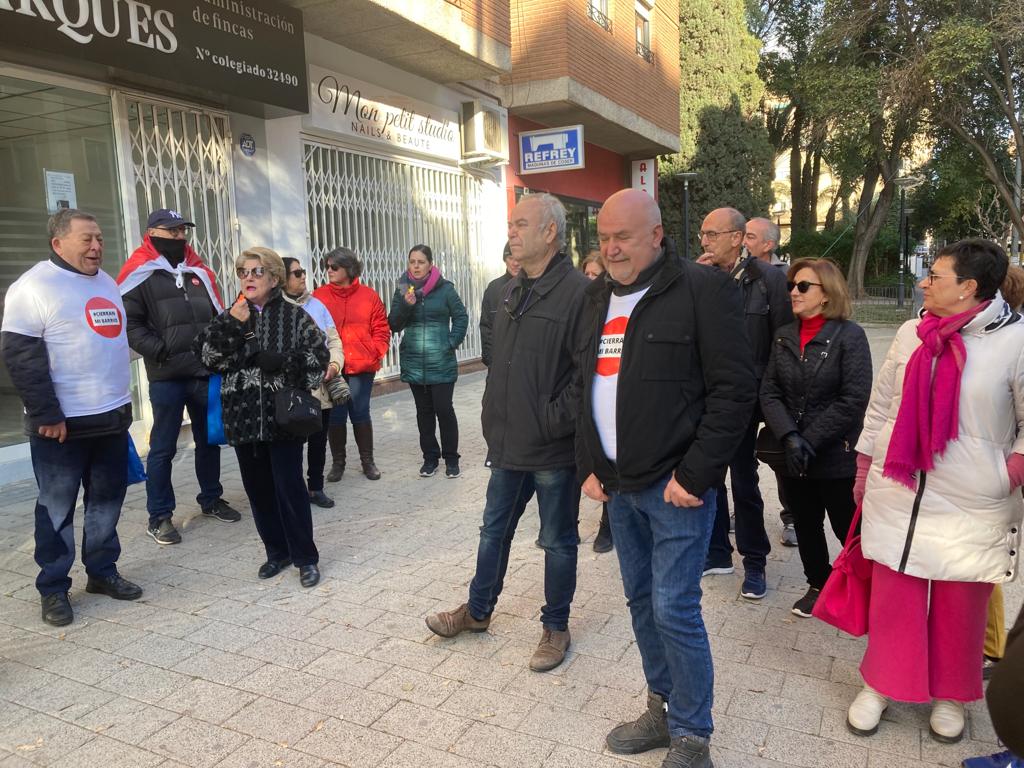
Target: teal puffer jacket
(434,328)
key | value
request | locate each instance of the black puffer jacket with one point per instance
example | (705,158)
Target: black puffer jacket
(822,393)
(766,308)
(488,307)
(163,321)
(230,348)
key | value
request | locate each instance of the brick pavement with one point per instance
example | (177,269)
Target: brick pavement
(213,667)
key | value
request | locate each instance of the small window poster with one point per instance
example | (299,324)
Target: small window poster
(60,190)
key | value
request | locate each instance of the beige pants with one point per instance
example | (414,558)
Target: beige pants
(995,629)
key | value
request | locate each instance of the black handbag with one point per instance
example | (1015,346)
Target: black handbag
(297,412)
(768,449)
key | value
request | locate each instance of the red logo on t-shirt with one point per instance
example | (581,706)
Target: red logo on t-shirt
(609,352)
(195,281)
(104,317)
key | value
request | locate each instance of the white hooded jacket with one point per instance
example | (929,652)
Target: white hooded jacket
(962,522)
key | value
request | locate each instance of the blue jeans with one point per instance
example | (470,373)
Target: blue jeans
(357,410)
(661,552)
(751,538)
(100,465)
(558,497)
(169,398)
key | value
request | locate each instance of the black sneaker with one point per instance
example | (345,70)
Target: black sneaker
(221,510)
(688,752)
(114,586)
(428,469)
(451,470)
(805,605)
(57,609)
(321,499)
(164,532)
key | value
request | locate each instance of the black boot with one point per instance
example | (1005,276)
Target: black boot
(337,436)
(364,441)
(603,540)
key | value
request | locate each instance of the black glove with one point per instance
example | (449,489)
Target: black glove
(270,362)
(798,453)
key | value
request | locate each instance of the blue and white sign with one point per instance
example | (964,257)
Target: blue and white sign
(551,149)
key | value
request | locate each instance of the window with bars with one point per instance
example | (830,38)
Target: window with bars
(597,11)
(643,31)
(380,207)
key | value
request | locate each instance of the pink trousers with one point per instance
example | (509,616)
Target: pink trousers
(919,650)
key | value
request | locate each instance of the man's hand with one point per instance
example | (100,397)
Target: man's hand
(55,431)
(240,310)
(593,489)
(705,258)
(678,496)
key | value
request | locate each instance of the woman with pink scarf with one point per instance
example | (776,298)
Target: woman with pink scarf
(940,460)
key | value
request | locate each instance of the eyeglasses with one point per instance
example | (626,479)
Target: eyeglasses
(710,234)
(183,231)
(516,304)
(244,272)
(803,286)
(932,277)
(298,273)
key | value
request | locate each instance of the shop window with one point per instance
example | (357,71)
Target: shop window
(65,135)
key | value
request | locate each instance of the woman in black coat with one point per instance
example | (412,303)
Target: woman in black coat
(813,397)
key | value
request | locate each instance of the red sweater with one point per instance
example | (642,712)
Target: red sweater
(809,328)
(362,324)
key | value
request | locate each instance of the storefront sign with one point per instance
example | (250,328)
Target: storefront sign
(247,49)
(552,149)
(342,104)
(645,176)
(60,190)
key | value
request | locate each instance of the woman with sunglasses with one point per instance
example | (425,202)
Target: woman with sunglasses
(939,467)
(362,323)
(427,308)
(813,396)
(260,345)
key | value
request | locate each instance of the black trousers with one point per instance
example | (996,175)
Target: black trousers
(751,539)
(434,408)
(316,454)
(809,500)
(272,478)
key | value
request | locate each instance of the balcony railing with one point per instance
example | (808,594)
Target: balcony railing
(598,17)
(644,52)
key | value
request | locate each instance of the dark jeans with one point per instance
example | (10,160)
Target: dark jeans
(316,454)
(100,466)
(661,552)
(357,410)
(751,539)
(169,399)
(558,497)
(786,516)
(272,477)
(434,408)
(809,500)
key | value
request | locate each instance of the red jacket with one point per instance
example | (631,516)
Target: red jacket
(362,324)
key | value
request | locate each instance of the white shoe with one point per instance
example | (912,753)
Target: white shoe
(947,721)
(865,712)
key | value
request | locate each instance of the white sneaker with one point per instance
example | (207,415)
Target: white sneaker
(947,721)
(865,712)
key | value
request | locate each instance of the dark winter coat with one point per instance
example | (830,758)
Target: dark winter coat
(247,393)
(686,387)
(434,328)
(531,397)
(766,308)
(822,393)
(488,307)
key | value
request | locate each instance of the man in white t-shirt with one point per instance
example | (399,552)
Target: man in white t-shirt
(64,344)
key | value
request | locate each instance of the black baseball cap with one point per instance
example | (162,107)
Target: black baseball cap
(165,217)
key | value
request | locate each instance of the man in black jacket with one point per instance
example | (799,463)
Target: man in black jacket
(491,302)
(64,345)
(660,412)
(766,308)
(529,417)
(169,297)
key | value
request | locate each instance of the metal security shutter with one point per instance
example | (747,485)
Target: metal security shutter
(380,207)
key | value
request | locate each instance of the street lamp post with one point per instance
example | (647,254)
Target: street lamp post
(686,177)
(904,183)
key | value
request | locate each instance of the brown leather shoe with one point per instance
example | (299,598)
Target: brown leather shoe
(452,623)
(551,650)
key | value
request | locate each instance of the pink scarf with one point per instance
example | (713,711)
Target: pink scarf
(929,412)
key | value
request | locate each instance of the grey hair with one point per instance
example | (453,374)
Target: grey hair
(736,219)
(269,259)
(60,223)
(552,211)
(345,258)
(771,229)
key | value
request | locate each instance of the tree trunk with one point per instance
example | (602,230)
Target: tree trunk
(871,216)
(796,191)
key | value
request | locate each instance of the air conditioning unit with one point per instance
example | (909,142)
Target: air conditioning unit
(484,133)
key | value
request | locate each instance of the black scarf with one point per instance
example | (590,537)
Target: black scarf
(643,280)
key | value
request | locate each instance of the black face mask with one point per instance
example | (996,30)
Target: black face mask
(170,248)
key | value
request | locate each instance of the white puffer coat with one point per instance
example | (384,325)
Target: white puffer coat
(962,523)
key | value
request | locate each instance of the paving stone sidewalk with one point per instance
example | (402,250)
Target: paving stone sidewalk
(213,667)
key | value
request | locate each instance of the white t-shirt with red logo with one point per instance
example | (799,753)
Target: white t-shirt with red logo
(606,372)
(81,320)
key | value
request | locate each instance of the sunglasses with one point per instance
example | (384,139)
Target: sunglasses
(244,272)
(803,286)
(334,267)
(515,303)
(298,273)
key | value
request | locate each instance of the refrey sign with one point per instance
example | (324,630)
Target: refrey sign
(251,50)
(551,149)
(343,105)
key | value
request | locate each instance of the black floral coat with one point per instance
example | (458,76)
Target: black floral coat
(229,348)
